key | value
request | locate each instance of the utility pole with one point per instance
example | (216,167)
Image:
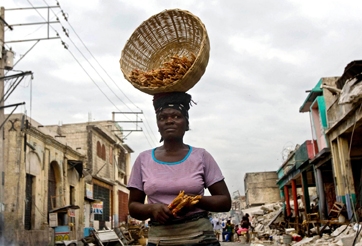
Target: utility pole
(2,118)
(6,63)
(137,120)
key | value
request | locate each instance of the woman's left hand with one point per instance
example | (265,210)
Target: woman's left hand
(160,213)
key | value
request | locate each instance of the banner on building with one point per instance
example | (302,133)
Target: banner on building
(53,219)
(71,212)
(97,208)
(89,191)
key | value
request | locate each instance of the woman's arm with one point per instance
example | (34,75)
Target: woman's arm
(141,211)
(219,201)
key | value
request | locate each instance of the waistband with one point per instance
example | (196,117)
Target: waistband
(189,218)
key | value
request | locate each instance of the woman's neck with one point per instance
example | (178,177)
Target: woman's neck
(172,146)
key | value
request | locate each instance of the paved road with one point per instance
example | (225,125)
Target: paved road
(249,244)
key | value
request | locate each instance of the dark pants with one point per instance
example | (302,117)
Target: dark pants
(229,235)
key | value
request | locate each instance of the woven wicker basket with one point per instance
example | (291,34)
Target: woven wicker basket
(169,33)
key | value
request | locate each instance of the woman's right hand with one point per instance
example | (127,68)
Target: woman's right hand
(161,213)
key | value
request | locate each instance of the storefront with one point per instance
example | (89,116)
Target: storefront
(63,221)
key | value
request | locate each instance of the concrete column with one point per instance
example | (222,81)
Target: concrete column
(321,194)
(306,199)
(336,164)
(295,199)
(347,175)
(287,200)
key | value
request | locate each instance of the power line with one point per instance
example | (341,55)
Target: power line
(65,46)
(66,18)
(74,57)
(95,58)
(150,130)
(90,77)
(67,34)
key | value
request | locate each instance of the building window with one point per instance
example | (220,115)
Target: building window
(103,152)
(122,161)
(28,201)
(103,194)
(72,195)
(51,188)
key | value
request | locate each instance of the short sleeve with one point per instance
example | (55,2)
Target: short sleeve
(212,171)
(135,179)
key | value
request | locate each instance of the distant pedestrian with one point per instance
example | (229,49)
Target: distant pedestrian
(223,223)
(244,227)
(217,230)
(235,234)
(228,232)
(249,219)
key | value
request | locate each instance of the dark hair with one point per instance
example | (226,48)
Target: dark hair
(177,100)
(161,100)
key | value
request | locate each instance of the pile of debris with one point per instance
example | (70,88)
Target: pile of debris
(267,220)
(345,235)
(269,224)
(119,236)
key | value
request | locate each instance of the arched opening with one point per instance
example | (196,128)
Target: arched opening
(54,181)
(103,152)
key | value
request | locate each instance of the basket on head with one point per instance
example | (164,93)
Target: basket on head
(165,35)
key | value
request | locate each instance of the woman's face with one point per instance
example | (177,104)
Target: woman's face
(171,124)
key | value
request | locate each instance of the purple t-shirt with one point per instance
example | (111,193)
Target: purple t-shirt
(162,181)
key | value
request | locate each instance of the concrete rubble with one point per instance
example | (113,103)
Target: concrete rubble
(268,223)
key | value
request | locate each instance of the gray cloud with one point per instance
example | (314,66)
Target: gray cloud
(264,56)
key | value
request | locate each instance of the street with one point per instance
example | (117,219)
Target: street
(266,243)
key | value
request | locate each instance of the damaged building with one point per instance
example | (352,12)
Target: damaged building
(261,188)
(319,181)
(329,162)
(60,181)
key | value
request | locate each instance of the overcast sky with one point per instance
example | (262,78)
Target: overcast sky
(264,56)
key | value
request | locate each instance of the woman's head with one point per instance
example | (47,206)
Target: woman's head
(172,108)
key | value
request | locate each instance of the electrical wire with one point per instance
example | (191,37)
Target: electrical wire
(66,19)
(96,59)
(147,125)
(90,77)
(74,57)
(99,87)
(101,68)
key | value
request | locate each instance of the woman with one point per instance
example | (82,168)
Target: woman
(244,227)
(161,173)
